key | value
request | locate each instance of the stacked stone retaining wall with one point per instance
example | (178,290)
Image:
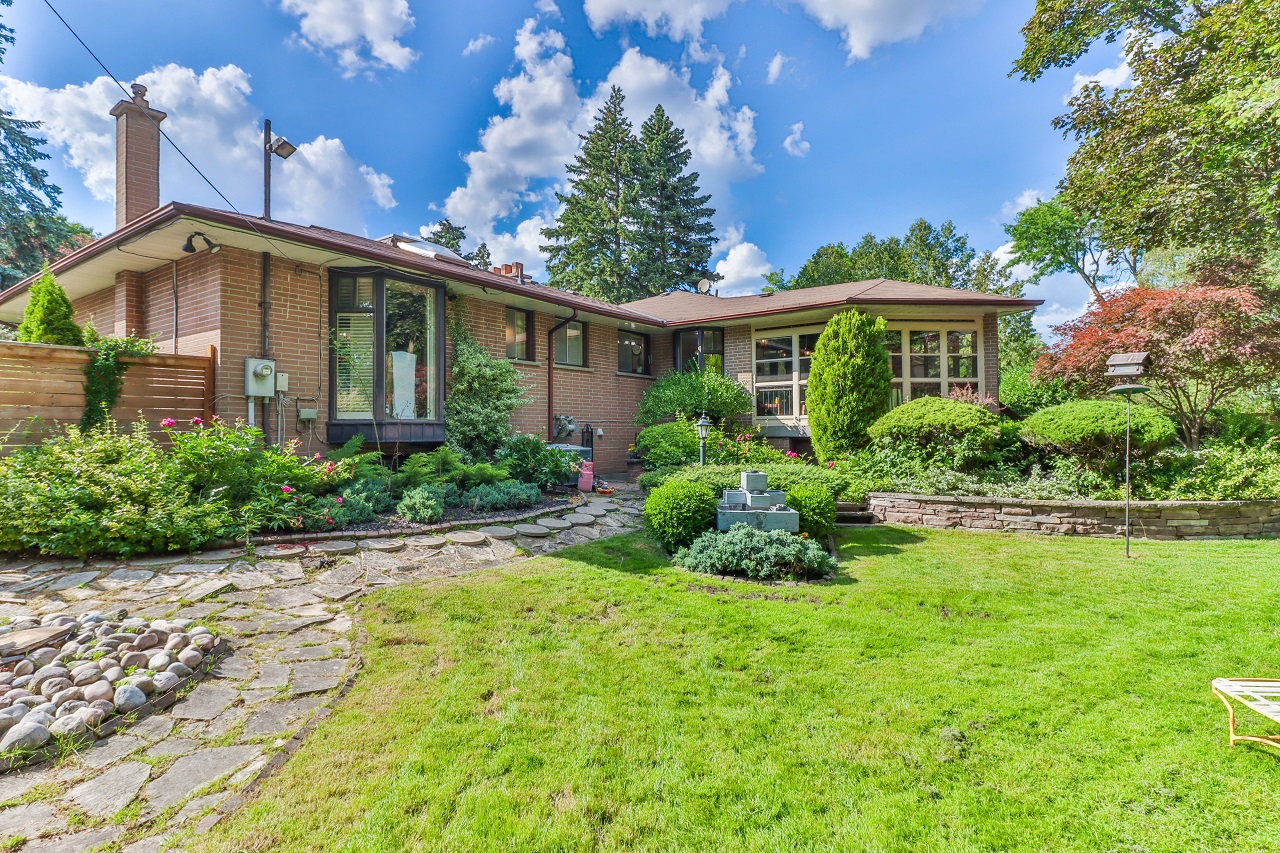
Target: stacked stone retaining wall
(1149,519)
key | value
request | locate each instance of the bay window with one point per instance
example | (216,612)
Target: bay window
(387,360)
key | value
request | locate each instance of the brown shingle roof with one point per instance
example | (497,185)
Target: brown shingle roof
(682,307)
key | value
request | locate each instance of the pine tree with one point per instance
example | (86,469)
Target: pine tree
(591,246)
(480,258)
(49,318)
(674,234)
(448,235)
(33,232)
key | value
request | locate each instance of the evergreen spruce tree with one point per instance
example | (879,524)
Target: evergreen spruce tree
(448,235)
(33,231)
(480,258)
(49,318)
(673,241)
(850,380)
(591,246)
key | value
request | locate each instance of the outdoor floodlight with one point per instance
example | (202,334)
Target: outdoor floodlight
(282,148)
(190,247)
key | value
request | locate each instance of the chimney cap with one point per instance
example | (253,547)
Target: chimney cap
(139,94)
(138,103)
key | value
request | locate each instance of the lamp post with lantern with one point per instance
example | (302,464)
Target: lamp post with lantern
(1127,367)
(703,426)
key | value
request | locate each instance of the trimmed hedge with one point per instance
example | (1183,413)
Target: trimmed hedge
(781,476)
(1093,431)
(817,509)
(956,434)
(679,512)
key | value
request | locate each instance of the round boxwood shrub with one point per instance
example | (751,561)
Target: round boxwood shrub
(678,512)
(944,432)
(764,554)
(817,509)
(781,476)
(664,445)
(1093,432)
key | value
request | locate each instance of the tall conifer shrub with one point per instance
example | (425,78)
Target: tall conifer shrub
(849,383)
(49,318)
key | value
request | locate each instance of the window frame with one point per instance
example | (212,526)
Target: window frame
(680,360)
(380,278)
(529,333)
(647,356)
(798,384)
(586,341)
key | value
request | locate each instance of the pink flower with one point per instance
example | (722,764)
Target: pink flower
(792,454)
(168,422)
(831,464)
(286,489)
(197,421)
(338,498)
(317,456)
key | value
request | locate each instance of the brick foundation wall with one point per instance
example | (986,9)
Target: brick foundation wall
(596,395)
(1148,519)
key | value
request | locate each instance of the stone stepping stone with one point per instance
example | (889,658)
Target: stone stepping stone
(205,702)
(336,546)
(207,589)
(163,582)
(594,511)
(192,772)
(537,531)
(466,537)
(278,552)
(304,653)
(197,568)
(153,728)
(279,717)
(555,523)
(607,506)
(125,577)
(629,510)
(270,675)
(232,667)
(578,519)
(219,556)
(158,560)
(382,544)
(373,577)
(287,599)
(57,566)
(172,746)
(285,570)
(425,541)
(345,574)
(334,591)
(112,749)
(250,580)
(498,531)
(314,684)
(78,842)
(29,821)
(71,581)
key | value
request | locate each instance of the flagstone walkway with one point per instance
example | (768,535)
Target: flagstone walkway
(286,611)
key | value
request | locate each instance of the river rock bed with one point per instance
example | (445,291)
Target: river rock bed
(66,678)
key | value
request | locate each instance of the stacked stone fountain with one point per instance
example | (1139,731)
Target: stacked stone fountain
(757,505)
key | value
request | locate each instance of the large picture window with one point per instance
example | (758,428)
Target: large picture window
(700,348)
(782,371)
(571,344)
(386,348)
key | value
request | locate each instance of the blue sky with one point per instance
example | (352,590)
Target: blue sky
(811,121)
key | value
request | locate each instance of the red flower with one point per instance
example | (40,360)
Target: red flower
(197,421)
(286,489)
(168,422)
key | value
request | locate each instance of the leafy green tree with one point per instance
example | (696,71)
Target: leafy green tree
(673,240)
(928,254)
(830,264)
(591,247)
(483,392)
(1020,343)
(1185,155)
(49,318)
(33,231)
(938,256)
(849,383)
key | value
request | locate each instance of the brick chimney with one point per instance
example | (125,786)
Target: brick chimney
(137,157)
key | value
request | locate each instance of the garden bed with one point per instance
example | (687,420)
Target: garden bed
(1148,519)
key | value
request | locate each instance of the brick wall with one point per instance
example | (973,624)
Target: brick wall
(1148,519)
(596,395)
(738,357)
(198,303)
(99,309)
(991,354)
(130,311)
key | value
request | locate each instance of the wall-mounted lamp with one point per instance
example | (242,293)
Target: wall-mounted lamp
(190,246)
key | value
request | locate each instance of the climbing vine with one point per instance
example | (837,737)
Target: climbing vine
(104,376)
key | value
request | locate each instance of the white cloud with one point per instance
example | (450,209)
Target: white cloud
(361,34)
(520,161)
(678,19)
(794,144)
(744,265)
(1004,254)
(548,8)
(478,44)
(1026,199)
(211,118)
(1115,77)
(776,66)
(867,24)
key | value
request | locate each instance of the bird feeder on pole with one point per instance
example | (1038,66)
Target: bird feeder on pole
(1126,368)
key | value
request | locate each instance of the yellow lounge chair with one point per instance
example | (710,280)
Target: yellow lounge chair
(1258,694)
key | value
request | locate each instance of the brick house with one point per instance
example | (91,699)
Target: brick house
(192,277)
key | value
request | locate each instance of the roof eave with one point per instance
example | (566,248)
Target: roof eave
(1004,306)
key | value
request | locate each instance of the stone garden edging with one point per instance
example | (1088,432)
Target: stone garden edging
(1148,519)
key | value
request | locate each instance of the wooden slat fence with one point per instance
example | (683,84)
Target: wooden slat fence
(42,387)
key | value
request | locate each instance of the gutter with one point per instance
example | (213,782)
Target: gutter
(551,371)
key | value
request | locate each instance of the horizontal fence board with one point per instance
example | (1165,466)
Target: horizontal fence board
(42,388)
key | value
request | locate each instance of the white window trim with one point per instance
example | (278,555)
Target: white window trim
(795,382)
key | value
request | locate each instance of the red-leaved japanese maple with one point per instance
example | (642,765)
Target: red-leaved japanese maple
(1207,342)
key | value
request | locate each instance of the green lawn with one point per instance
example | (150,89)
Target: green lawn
(951,692)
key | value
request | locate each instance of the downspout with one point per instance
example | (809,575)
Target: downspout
(175,307)
(551,373)
(265,305)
